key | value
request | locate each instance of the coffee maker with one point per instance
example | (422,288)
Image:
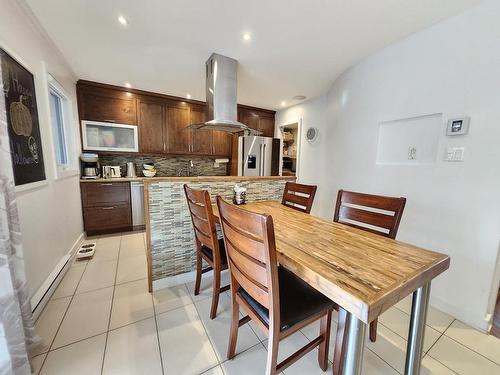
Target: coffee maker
(89,165)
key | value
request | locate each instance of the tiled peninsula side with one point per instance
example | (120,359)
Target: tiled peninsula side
(170,237)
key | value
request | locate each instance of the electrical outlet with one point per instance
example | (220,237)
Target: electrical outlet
(412,153)
(454,154)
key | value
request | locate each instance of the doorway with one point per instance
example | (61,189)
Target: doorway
(290,148)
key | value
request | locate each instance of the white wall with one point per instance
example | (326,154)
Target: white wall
(51,218)
(311,113)
(452,68)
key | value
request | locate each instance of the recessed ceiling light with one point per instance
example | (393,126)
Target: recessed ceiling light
(299,97)
(188,96)
(122,20)
(128,85)
(283,103)
(247,37)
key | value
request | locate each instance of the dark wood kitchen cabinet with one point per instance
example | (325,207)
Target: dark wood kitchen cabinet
(202,140)
(163,120)
(106,207)
(257,119)
(222,143)
(107,105)
(151,116)
(178,136)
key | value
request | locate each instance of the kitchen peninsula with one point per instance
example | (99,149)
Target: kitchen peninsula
(170,239)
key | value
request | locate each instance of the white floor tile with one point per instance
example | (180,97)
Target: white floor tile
(132,268)
(218,328)
(389,346)
(106,250)
(486,345)
(81,358)
(49,321)
(185,346)
(250,362)
(37,363)
(373,365)
(431,366)
(132,302)
(88,315)
(206,286)
(308,364)
(167,299)
(214,371)
(67,286)
(461,359)
(399,322)
(98,275)
(436,319)
(133,349)
(132,245)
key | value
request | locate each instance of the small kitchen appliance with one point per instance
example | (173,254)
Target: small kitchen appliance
(131,169)
(89,166)
(111,171)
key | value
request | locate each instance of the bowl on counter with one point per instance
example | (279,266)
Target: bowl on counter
(149,166)
(149,172)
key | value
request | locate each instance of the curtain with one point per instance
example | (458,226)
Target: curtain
(17,332)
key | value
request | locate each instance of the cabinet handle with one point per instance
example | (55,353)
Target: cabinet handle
(106,184)
(108,208)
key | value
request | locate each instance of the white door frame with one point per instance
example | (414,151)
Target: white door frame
(298,121)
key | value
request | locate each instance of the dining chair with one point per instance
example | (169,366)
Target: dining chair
(373,213)
(299,196)
(279,302)
(208,247)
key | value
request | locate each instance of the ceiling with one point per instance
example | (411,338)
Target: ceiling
(297,47)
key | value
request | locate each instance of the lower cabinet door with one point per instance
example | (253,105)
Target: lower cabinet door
(107,219)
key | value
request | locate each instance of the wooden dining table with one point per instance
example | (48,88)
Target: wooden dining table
(363,273)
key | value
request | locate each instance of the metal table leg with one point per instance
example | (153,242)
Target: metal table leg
(354,346)
(417,329)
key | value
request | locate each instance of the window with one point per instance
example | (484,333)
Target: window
(62,129)
(58,130)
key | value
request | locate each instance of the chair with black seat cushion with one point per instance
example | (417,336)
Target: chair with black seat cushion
(208,247)
(373,213)
(276,299)
(299,196)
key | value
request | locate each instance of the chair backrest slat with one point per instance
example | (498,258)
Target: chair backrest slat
(299,196)
(374,213)
(200,207)
(251,252)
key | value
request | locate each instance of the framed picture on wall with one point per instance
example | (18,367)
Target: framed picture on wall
(18,88)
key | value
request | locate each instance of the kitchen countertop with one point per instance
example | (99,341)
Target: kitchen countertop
(194,178)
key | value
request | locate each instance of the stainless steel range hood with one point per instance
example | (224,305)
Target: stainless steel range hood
(221,88)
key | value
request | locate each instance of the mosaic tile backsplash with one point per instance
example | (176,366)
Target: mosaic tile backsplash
(167,166)
(172,238)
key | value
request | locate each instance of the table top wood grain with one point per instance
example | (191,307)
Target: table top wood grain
(362,272)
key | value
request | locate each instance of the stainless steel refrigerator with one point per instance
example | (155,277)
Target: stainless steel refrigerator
(258,156)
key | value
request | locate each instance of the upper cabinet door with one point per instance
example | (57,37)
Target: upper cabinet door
(178,134)
(107,105)
(222,143)
(249,118)
(151,126)
(266,126)
(202,139)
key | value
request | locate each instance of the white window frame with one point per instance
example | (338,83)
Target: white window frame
(71,167)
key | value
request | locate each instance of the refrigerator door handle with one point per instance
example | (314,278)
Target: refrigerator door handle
(263,160)
(260,159)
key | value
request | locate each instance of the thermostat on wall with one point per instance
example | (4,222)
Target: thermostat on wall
(458,126)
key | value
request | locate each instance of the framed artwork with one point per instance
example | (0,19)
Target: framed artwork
(18,88)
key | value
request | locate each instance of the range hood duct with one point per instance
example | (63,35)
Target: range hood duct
(221,89)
